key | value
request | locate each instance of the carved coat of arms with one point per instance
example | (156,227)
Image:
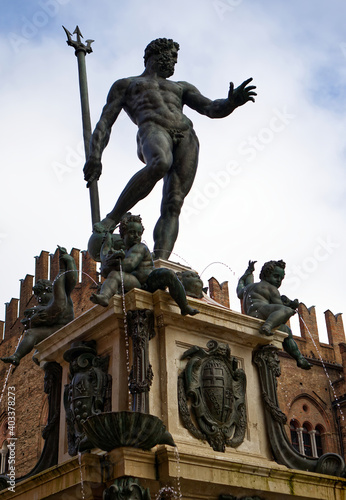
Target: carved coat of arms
(211,396)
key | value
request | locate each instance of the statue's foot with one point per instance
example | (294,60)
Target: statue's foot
(304,364)
(266,330)
(14,360)
(189,310)
(100,299)
(104,226)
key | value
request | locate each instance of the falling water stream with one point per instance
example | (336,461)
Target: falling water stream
(74,271)
(178,485)
(217,262)
(324,367)
(9,371)
(172,253)
(127,344)
(81,475)
(168,492)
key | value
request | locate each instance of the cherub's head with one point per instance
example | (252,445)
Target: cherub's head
(192,283)
(273,272)
(43,291)
(131,229)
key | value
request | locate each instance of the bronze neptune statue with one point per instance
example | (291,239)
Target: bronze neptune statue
(166,141)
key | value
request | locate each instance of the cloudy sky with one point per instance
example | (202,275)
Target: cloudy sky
(271,176)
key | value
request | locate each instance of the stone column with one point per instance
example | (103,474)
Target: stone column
(141,330)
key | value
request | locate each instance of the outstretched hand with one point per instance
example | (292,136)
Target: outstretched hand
(241,94)
(251,266)
(92,171)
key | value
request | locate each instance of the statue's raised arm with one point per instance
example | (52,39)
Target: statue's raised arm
(246,279)
(219,108)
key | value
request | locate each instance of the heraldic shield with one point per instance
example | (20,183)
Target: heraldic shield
(211,396)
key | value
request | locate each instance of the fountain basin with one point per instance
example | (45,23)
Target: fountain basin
(111,430)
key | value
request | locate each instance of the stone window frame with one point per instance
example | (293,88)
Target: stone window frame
(309,433)
(294,426)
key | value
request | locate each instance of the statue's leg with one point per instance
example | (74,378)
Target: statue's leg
(30,339)
(109,288)
(177,184)
(155,149)
(162,278)
(275,315)
(291,347)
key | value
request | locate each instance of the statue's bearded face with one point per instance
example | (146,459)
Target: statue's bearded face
(165,62)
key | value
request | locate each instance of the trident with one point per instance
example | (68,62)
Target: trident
(81,51)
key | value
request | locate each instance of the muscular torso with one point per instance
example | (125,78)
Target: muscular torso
(139,262)
(156,100)
(257,295)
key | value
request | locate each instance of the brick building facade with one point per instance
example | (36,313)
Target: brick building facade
(31,406)
(314,401)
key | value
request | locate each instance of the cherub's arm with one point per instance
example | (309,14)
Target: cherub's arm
(100,137)
(220,107)
(246,279)
(110,258)
(293,304)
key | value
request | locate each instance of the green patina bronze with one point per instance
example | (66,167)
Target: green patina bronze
(54,310)
(133,267)
(262,300)
(111,430)
(211,393)
(88,391)
(267,360)
(166,141)
(126,488)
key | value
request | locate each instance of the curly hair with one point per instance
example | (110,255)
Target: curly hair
(159,46)
(42,286)
(126,220)
(269,267)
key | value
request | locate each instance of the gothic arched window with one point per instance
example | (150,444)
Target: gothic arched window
(294,434)
(307,440)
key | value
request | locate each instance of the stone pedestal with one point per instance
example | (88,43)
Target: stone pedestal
(194,467)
